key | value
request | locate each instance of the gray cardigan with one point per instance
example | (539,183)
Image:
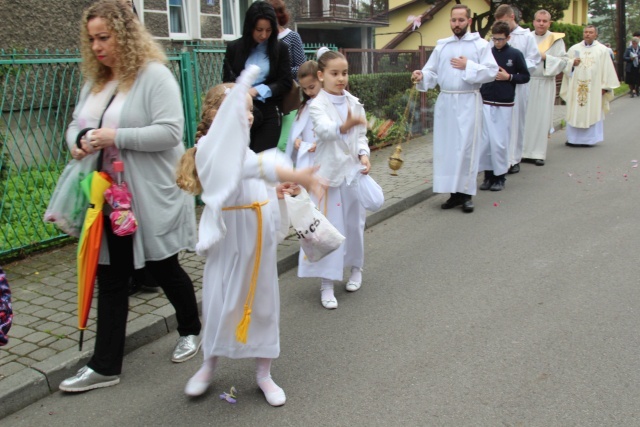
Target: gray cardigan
(149,138)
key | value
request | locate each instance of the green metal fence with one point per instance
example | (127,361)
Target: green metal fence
(39,93)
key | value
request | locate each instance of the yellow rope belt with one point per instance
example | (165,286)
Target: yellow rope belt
(242,329)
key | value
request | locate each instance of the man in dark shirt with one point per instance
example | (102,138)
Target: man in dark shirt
(498,100)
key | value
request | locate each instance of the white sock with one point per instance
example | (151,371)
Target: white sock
(263,376)
(326,289)
(356,275)
(207,369)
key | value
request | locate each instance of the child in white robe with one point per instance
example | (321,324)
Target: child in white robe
(342,152)
(301,146)
(238,235)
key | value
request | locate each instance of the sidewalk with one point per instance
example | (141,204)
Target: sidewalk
(43,349)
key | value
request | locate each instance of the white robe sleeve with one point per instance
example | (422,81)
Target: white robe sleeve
(556,59)
(220,157)
(430,71)
(483,72)
(531,53)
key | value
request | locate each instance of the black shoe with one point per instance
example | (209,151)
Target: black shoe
(515,168)
(486,184)
(498,185)
(452,202)
(467,206)
(134,287)
(539,162)
(568,144)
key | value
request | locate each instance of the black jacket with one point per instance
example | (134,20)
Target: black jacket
(279,78)
(504,91)
(628,60)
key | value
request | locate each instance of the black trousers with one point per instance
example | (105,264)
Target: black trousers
(267,125)
(113,300)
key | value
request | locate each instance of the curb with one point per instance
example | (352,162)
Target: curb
(43,378)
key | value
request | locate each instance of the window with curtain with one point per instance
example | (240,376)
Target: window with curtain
(233,12)
(177,17)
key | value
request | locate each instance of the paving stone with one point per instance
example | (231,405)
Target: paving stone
(29,309)
(55,304)
(41,354)
(65,275)
(41,300)
(18,331)
(143,308)
(24,348)
(59,317)
(7,357)
(69,308)
(11,368)
(53,281)
(158,302)
(66,295)
(63,331)
(44,313)
(49,291)
(62,344)
(36,337)
(45,342)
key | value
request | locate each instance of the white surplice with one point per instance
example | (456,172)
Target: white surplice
(458,112)
(302,128)
(542,95)
(234,176)
(523,40)
(582,88)
(337,156)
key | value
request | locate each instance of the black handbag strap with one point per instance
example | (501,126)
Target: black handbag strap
(84,131)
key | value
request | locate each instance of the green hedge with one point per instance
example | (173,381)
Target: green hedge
(376,91)
(573,33)
(25,200)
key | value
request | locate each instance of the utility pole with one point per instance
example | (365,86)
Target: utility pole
(622,36)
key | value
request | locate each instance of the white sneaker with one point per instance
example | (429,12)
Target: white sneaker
(196,386)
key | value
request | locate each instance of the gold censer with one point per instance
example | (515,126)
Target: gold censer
(395,161)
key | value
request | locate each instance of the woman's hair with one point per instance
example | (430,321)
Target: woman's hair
(281,11)
(187,175)
(134,45)
(309,68)
(325,55)
(259,10)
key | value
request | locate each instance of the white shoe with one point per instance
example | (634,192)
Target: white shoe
(196,387)
(274,398)
(329,304)
(353,286)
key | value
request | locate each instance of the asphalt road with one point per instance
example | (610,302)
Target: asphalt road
(524,313)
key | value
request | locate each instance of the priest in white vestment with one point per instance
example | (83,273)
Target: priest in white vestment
(523,40)
(459,64)
(542,88)
(587,88)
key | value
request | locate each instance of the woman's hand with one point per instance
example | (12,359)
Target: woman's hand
(297,143)
(364,161)
(102,138)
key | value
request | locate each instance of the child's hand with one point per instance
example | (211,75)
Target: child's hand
(364,161)
(297,143)
(502,74)
(352,121)
(290,188)
(313,148)
(308,179)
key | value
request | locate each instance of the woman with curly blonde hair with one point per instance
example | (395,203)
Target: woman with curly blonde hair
(130,110)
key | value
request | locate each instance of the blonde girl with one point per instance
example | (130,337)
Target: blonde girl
(238,234)
(342,151)
(302,139)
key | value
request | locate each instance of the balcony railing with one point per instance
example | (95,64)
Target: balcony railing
(364,12)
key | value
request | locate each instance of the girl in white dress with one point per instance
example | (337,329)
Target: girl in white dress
(238,234)
(342,152)
(301,145)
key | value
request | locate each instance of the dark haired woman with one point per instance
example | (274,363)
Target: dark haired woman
(291,38)
(259,45)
